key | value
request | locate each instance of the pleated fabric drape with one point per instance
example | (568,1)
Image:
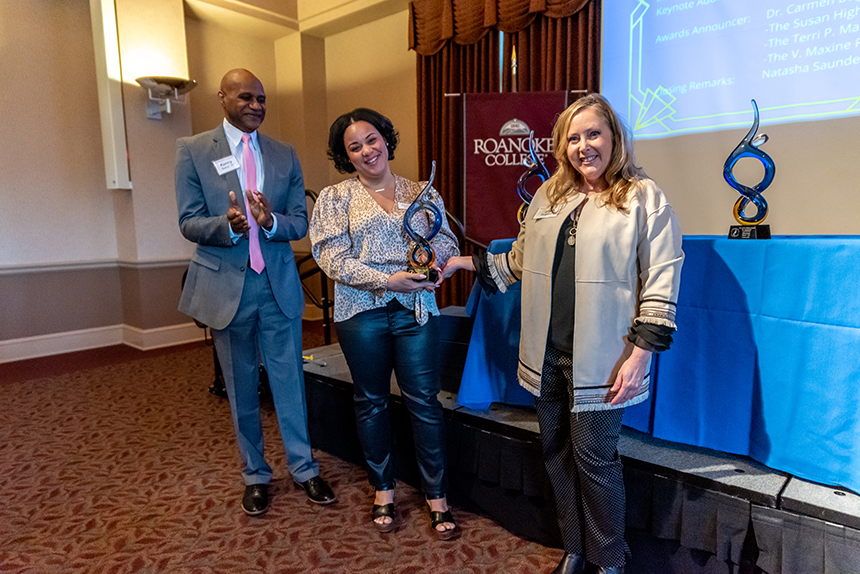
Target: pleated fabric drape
(433,23)
(557,44)
(556,53)
(453,70)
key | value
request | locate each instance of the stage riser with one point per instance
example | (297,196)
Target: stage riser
(455,330)
(677,521)
(503,477)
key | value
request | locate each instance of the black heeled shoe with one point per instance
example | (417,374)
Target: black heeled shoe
(437,518)
(571,564)
(380,510)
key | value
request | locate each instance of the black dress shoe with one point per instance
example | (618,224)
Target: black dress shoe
(318,491)
(571,564)
(256,499)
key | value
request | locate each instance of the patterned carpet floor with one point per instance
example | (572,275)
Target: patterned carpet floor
(114,462)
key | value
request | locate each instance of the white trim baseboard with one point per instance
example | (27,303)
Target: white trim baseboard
(148,339)
(81,340)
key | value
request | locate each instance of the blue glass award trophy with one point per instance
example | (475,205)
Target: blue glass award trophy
(536,168)
(750,227)
(421,255)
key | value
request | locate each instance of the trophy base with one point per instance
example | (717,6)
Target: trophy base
(749,232)
(431,274)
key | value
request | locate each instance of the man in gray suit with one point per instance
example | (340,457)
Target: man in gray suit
(243,282)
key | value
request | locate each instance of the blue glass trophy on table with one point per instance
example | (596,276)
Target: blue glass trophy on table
(422,257)
(750,227)
(536,168)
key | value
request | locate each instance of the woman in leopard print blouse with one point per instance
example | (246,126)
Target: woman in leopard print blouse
(385,316)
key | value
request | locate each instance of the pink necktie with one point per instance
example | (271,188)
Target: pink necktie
(257,263)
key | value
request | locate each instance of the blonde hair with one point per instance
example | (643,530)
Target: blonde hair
(621,173)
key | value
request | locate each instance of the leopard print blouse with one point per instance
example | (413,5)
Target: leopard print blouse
(358,245)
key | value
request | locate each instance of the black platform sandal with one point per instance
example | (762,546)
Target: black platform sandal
(380,510)
(437,518)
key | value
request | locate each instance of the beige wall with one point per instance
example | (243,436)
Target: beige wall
(55,207)
(311,80)
(82,265)
(302,97)
(371,66)
(214,49)
(38,302)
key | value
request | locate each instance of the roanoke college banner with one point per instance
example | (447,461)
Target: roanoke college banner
(496,141)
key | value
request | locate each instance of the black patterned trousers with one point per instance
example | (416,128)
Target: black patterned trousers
(580,451)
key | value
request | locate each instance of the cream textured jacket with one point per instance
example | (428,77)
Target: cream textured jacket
(628,269)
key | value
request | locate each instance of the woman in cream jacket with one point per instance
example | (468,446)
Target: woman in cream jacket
(599,256)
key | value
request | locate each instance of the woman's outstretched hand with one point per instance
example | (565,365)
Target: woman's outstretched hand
(630,376)
(456,263)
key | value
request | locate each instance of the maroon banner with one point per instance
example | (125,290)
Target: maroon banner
(496,141)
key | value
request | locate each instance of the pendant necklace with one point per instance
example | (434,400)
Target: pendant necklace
(571,238)
(380,190)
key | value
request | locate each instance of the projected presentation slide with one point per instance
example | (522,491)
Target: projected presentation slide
(674,67)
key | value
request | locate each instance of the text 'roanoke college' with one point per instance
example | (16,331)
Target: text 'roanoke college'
(510,151)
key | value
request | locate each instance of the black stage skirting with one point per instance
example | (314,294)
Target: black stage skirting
(689,510)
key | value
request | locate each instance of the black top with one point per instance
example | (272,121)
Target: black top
(560,334)
(648,336)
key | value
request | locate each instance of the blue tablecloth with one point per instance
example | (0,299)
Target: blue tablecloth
(490,373)
(766,359)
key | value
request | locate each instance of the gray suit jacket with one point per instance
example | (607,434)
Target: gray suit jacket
(216,275)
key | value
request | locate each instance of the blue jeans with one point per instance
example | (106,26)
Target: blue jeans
(374,342)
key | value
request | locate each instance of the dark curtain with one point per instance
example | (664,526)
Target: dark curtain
(454,70)
(557,44)
(556,53)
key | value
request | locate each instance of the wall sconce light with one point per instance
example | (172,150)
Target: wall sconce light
(163,90)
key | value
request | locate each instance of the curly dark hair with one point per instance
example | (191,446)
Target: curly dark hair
(336,149)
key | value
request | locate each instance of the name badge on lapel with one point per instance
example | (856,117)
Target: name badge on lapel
(545,212)
(226,164)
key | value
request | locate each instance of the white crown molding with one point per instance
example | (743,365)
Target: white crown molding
(320,19)
(243,18)
(346,15)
